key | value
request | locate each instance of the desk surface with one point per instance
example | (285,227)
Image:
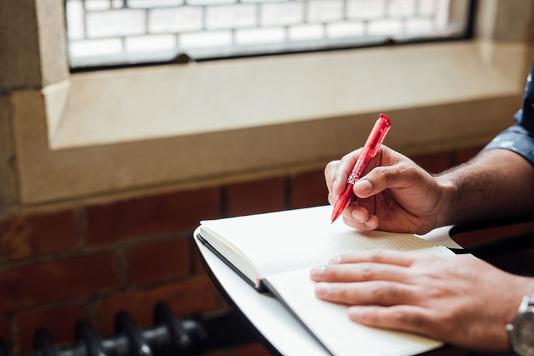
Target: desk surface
(268,315)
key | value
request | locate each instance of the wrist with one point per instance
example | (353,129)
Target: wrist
(519,326)
(449,193)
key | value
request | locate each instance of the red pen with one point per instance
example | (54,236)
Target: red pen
(371,148)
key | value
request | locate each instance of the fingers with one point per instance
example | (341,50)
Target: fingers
(356,216)
(342,171)
(369,225)
(361,272)
(378,256)
(329,174)
(401,317)
(337,172)
(367,293)
(382,178)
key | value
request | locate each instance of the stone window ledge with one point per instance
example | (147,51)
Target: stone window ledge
(190,125)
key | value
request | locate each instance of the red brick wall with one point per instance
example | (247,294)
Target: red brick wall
(94,261)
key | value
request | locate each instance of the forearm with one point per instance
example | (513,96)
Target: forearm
(497,183)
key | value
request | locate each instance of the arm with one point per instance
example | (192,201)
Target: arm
(496,183)
(397,195)
(502,176)
(458,299)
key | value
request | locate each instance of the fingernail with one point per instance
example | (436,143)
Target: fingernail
(317,271)
(357,215)
(363,186)
(372,222)
(322,289)
(335,260)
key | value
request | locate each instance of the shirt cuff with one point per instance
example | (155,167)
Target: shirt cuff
(515,139)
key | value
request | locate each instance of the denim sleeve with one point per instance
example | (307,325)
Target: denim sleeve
(520,137)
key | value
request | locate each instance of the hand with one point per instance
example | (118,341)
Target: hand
(396,195)
(457,299)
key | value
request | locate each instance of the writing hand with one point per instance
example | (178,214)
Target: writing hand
(395,195)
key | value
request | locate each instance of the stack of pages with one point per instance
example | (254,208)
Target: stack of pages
(275,252)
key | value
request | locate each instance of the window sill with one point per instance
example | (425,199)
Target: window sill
(196,124)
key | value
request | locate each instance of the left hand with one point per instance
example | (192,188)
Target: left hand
(457,299)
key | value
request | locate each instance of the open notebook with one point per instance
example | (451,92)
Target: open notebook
(275,251)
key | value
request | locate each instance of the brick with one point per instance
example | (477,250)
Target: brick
(466,154)
(155,261)
(182,19)
(184,298)
(254,197)
(58,321)
(160,214)
(282,13)
(434,162)
(230,16)
(259,35)
(324,11)
(74,277)
(25,236)
(106,23)
(309,189)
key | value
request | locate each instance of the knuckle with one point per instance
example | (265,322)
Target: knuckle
(342,294)
(411,171)
(403,317)
(379,171)
(444,321)
(348,155)
(387,175)
(330,167)
(330,272)
(390,175)
(370,317)
(377,256)
(400,316)
(353,224)
(379,292)
(366,271)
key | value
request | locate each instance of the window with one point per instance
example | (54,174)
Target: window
(118,32)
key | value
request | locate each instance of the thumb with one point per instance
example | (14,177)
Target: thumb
(385,177)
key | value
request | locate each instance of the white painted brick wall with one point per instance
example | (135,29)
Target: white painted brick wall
(283,13)
(154,27)
(325,10)
(230,16)
(175,20)
(115,23)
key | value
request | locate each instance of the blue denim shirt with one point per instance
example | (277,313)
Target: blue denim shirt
(520,137)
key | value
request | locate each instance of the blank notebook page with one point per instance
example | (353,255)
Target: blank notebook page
(330,324)
(291,240)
